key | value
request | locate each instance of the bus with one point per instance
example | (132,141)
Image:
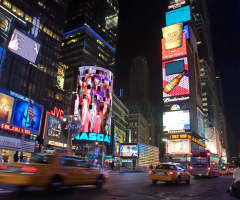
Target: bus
(202,164)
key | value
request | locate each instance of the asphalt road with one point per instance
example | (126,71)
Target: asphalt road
(130,186)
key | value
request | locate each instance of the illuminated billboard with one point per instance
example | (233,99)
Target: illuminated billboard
(172,36)
(93,104)
(201,129)
(129,150)
(175,80)
(176,52)
(27,115)
(53,133)
(186,31)
(179,15)
(6,107)
(176,120)
(5,23)
(176,4)
(119,135)
(24,46)
(179,146)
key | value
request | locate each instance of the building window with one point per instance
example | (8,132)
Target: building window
(7,3)
(28,18)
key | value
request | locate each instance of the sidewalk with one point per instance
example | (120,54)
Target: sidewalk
(109,171)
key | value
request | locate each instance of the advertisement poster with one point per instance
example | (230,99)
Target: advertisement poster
(93,104)
(175,80)
(129,150)
(119,135)
(176,120)
(172,36)
(27,116)
(176,52)
(24,46)
(179,146)
(6,106)
(179,15)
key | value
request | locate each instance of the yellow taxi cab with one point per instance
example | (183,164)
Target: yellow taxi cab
(52,171)
(169,172)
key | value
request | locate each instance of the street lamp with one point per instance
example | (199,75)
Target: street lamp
(69,119)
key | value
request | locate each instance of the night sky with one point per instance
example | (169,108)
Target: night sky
(140,24)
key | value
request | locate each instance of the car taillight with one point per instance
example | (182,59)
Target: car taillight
(170,172)
(150,172)
(29,169)
(3,167)
(209,168)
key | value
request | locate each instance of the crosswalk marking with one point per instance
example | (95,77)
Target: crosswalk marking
(2,191)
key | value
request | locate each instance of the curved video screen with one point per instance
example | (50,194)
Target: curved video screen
(93,104)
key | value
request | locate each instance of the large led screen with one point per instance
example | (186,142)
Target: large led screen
(129,150)
(179,146)
(24,46)
(176,120)
(93,104)
(172,36)
(179,15)
(6,106)
(176,52)
(27,116)
(175,80)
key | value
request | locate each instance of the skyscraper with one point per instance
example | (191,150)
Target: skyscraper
(90,37)
(43,22)
(139,103)
(213,106)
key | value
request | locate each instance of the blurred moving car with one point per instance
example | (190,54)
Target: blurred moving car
(169,173)
(52,171)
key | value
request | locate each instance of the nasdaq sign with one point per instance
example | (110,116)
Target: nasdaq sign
(99,137)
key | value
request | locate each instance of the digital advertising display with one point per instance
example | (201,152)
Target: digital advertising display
(172,36)
(27,115)
(179,146)
(186,31)
(176,120)
(119,135)
(176,4)
(129,150)
(54,128)
(175,80)
(93,104)
(24,46)
(201,129)
(6,107)
(5,23)
(179,15)
(53,134)
(176,52)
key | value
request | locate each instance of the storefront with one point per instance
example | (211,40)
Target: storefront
(180,146)
(9,145)
(139,155)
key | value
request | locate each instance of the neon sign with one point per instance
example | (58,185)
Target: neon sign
(57,113)
(100,137)
(15,129)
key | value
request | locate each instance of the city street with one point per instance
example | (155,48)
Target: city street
(132,186)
